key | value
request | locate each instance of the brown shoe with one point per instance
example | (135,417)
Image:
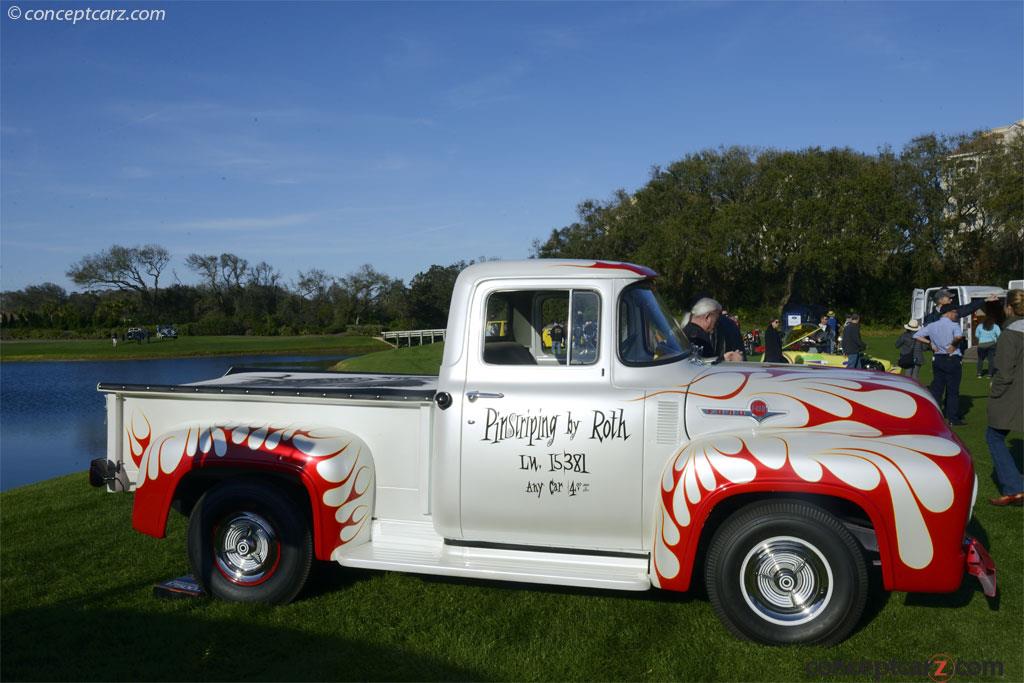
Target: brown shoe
(1003,501)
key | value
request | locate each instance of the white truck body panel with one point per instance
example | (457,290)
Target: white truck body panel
(398,434)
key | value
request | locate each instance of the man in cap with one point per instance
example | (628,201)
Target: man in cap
(944,297)
(944,336)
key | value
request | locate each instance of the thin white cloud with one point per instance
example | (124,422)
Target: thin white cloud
(290,220)
(136,173)
(491,88)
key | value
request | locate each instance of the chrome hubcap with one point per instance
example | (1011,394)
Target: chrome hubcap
(246,548)
(786,580)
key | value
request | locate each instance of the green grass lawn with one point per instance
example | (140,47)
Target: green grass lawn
(77,604)
(414,360)
(91,349)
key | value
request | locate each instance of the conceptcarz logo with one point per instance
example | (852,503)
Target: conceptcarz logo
(757,410)
(940,668)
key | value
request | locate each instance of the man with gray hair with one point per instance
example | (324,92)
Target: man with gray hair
(702,321)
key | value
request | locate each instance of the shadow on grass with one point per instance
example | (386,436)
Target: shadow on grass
(330,577)
(966,404)
(969,587)
(72,642)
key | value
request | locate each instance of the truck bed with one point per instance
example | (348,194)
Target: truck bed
(261,382)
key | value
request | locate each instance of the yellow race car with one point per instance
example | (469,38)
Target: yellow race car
(801,347)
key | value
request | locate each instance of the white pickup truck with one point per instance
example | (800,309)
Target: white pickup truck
(614,460)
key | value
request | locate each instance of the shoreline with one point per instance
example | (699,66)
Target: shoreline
(36,351)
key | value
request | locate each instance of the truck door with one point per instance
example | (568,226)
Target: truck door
(917,305)
(551,453)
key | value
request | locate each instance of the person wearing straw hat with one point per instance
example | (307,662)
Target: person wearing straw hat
(911,351)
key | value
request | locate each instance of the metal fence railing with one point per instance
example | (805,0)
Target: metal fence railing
(420,337)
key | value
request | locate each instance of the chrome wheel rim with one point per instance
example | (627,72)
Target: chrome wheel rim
(786,580)
(246,548)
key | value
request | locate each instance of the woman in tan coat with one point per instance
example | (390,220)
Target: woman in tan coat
(1006,401)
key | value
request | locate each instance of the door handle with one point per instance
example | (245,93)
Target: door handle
(474,395)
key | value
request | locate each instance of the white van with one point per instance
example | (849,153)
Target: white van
(921,303)
(1015,284)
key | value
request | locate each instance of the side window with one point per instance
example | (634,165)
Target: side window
(497,317)
(585,327)
(542,327)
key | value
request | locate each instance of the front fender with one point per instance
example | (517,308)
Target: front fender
(335,467)
(915,489)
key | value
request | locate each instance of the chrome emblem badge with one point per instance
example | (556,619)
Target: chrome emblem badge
(758,410)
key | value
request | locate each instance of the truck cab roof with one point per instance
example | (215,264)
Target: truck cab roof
(532,268)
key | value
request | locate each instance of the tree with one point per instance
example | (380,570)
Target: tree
(430,294)
(135,269)
(263,275)
(313,284)
(368,290)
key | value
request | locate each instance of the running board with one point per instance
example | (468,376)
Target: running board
(414,547)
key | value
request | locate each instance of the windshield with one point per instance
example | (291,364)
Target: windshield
(801,334)
(648,334)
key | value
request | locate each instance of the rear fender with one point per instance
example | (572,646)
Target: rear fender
(334,466)
(909,486)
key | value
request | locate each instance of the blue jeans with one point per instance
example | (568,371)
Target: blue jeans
(853,360)
(1010,480)
(946,372)
(989,353)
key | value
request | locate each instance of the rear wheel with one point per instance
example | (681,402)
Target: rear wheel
(248,541)
(786,572)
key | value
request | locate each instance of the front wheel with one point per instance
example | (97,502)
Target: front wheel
(248,541)
(784,572)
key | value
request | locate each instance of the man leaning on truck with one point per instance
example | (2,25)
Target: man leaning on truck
(944,297)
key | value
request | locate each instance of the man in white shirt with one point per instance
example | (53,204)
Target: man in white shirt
(944,337)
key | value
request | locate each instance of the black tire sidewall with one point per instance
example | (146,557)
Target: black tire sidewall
(745,530)
(290,526)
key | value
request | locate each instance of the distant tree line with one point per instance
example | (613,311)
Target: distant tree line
(758,229)
(122,288)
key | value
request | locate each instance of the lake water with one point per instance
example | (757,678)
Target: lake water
(52,419)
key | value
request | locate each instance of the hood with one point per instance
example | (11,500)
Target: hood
(747,398)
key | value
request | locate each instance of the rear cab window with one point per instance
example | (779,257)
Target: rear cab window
(550,327)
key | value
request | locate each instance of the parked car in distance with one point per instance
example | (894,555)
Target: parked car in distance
(166,332)
(137,334)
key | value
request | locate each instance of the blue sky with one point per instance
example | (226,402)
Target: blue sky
(329,135)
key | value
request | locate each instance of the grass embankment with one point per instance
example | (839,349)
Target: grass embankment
(415,360)
(91,349)
(77,604)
